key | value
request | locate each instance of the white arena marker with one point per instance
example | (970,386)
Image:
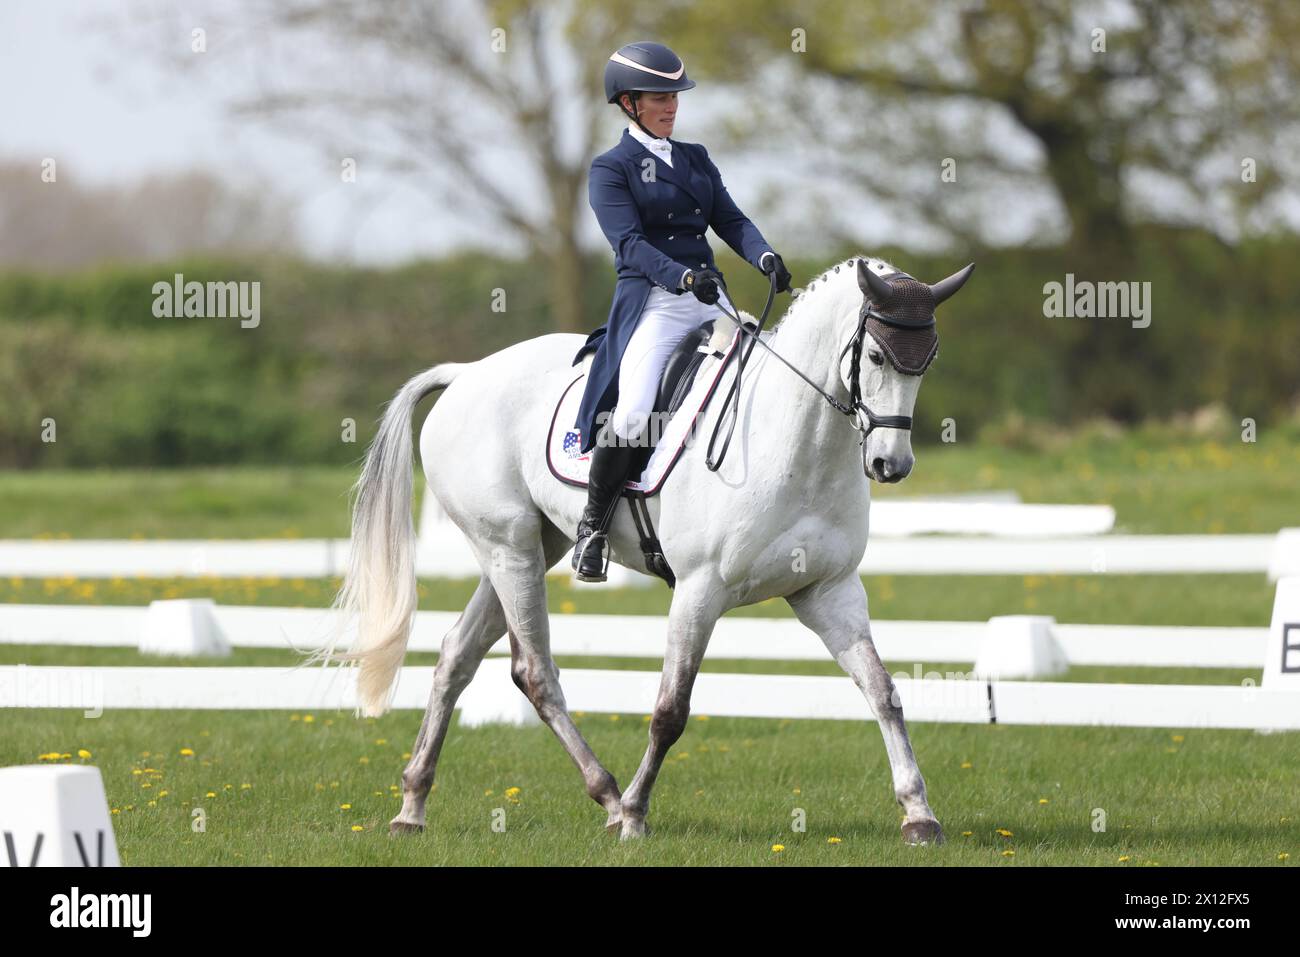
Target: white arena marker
(1020,646)
(183,627)
(493,698)
(55,816)
(1282,658)
(1286,555)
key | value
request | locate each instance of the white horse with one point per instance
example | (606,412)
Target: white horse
(785,516)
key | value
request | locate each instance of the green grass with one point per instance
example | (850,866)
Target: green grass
(1077,599)
(1159,479)
(727,794)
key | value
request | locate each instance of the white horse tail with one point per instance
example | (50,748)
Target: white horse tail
(379,588)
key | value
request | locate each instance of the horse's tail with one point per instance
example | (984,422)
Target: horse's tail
(379,588)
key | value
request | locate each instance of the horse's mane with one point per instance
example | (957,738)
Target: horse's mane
(843,272)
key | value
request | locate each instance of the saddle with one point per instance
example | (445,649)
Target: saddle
(682,396)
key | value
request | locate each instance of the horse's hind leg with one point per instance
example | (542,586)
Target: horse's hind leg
(518,572)
(837,611)
(480,626)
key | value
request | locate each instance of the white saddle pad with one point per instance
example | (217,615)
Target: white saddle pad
(563,441)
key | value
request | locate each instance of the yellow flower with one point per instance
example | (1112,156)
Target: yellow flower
(567,607)
(834,840)
(83,753)
(1178,738)
(365,760)
(212,794)
(357,827)
(613,717)
(163,794)
(1124,859)
(967,764)
(797,791)
(1042,800)
(511,792)
(1008,853)
(1283,856)
(308,719)
(381,741)
(187,752)
(778,848)
(967,833)
(701,717)
(1004,832)
(245,787)
(345,807)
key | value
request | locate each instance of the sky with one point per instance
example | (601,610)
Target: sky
(112,91)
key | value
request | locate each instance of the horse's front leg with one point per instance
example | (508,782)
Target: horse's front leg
(837,611)
(697,604)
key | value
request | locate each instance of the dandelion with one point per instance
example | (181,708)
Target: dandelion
(1124,859)
(701,717)
(1008,853)
(211,794)
(567,607)
(1043,801)
(381,741)
(163,794)
(83,753)
(357,827)
(1004,832)
(1283,856)
(967,833)
(245,787)
(778,848)
(512,792)
(966,764)
(613,717)
(365,760)
(187,752)
(308,719)
(834,840)
(345,807)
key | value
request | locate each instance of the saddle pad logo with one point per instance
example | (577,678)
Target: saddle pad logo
(573,443)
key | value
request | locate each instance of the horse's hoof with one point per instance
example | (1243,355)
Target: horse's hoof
(922,832)
(614,825)
(633,829)
(404,827)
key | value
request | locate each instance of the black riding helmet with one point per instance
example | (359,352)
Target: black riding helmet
(644,67)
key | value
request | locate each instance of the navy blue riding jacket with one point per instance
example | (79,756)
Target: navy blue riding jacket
(654,216)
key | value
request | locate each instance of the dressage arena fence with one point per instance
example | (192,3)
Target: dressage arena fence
(1001,648)
(443,553)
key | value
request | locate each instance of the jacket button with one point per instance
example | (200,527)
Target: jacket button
(704,265)
(670,215)
(671,237)
(699,235)
(697,210)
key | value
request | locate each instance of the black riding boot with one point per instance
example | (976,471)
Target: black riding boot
(609,468)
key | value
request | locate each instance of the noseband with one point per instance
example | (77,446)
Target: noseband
(856,409)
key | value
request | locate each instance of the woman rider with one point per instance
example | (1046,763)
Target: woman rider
(654,197)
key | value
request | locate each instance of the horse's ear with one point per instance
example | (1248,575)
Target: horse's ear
(871,284)
(944,288)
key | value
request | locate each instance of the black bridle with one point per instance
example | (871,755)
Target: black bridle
(856,409)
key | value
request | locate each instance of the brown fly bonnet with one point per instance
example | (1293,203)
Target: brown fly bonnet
(898,312)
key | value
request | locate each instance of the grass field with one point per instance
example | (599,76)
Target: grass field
(273,789)
(1159,479)
(273,786)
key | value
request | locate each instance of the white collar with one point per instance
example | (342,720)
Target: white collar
(663,144)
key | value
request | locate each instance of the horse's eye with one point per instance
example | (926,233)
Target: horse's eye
(875,357)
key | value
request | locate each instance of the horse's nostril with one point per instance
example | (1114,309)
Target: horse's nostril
(878,466)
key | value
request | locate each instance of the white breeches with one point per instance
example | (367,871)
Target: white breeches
(665,321)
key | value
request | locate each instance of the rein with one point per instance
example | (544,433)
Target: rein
(856,409)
